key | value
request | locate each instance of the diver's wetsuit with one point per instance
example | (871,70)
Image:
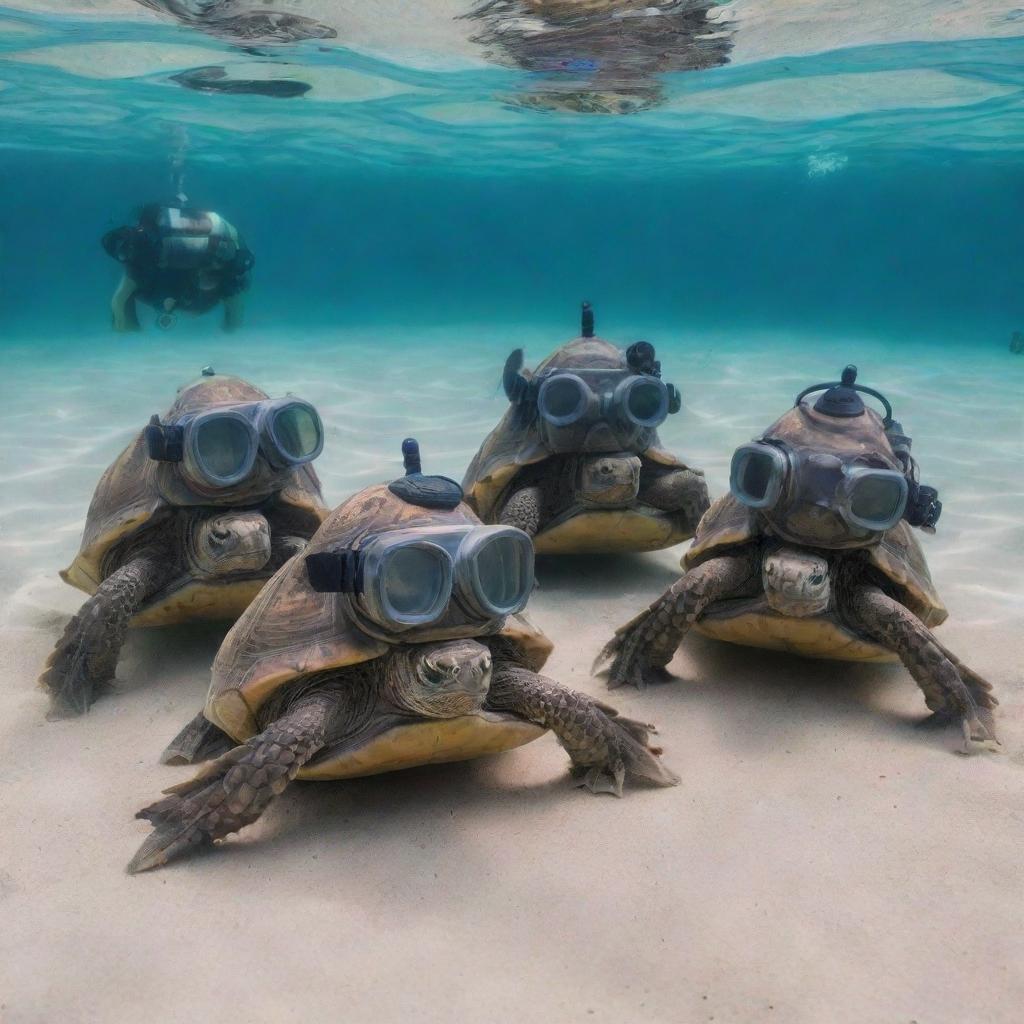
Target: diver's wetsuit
(221,260)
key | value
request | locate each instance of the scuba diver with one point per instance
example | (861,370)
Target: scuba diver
(178,258)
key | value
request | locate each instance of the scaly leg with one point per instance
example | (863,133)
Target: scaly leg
(681,490)
(234,790)
(642,648)
(85,657)
(604,746)
(952,692)
(523,510)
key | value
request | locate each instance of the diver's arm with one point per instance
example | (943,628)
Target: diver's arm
(233,307)
(122,305)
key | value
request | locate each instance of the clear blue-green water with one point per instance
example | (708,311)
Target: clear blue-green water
(875,187)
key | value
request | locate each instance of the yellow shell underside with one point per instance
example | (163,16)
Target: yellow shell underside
(427,742)
(611,531)
(754,624)
(194,600)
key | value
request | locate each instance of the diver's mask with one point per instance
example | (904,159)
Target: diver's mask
(867,497)
(767,472)
(405,579)
(565,398)
(218,447)
(599,409)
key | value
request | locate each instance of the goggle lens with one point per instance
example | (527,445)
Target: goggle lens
(755,478)
(877,499)
(416,584)
(562,399)
(647,402)
(298,432)
(223,445)
(503,574)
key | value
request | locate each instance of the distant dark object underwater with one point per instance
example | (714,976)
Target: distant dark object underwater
(228,18)
(215,79)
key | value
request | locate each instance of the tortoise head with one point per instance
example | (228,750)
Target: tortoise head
(439,680)
(229,542)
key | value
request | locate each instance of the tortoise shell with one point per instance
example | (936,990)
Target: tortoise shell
(895,553)
(292,630)
(137,493)
(516,442)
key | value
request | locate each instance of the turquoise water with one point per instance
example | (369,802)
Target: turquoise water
(871,187)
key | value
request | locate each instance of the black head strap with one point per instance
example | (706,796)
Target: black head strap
(517,385)
(163,443)
(334,572)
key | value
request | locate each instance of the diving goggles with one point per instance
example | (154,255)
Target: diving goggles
(868,497)
(219,446)
(408,578)
(566,397)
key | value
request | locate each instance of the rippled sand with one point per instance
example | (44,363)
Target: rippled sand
(822,860)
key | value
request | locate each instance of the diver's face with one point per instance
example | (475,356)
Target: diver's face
(600,410)
(816,497)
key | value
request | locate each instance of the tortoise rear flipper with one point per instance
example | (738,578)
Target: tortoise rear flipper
(200,740)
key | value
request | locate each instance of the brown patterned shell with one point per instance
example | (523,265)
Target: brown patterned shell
(512,445)
(897,554)
(136,491)
(291,630)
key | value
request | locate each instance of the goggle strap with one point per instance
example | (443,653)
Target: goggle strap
(516,385)
(333,572)
(163,443)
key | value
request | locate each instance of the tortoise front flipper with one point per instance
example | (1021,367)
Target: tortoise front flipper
(523,510)
(953,692)
(85,658)
(604,746)
(684,491)
(234,790)
(643,647)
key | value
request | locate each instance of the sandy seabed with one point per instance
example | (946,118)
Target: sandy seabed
(824,859)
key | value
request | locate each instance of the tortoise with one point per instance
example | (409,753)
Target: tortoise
(576,461)
(189,522)
(396,639)
(812,552)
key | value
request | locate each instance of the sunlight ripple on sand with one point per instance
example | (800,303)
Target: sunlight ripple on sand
(970,449)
